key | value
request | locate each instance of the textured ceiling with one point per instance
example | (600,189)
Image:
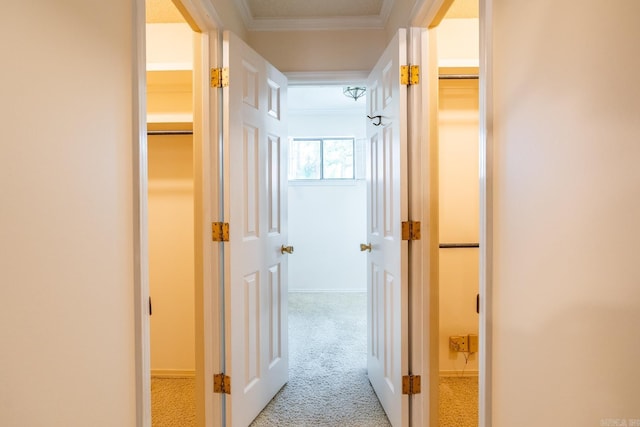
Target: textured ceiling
(305,14)
(313,14)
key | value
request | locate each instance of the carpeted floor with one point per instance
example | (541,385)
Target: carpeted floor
(173,402)
(328,384)
(458,401)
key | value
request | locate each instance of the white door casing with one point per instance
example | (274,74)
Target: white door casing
(255,197)
(387,207)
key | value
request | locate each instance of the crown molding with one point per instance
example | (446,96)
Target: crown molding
(377,22)
(327,77)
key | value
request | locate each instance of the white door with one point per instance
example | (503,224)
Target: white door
(255,199)
(387,266)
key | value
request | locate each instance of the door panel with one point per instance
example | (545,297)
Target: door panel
(387,358)
(255,198)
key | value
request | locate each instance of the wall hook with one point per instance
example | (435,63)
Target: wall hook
(375,117)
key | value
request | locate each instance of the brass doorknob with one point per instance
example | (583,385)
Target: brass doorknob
(364,247)
(286,249)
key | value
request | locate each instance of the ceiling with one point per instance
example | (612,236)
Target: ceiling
(162,12)
(463,9)
(313,14)
(318,99)
(296,14)
(307,14)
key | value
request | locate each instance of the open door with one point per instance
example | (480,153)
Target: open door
(255,261)
(387,208)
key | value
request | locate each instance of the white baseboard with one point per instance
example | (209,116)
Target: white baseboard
(466,373)
(173,373)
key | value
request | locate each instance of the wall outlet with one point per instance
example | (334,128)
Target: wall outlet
(472,340)
(458,343)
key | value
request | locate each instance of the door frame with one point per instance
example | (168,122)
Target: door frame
(429,14)
(142,344)
(205,22)
(485,86)
(423,206)
(208,207)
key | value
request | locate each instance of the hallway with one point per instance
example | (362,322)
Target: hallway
(328,383)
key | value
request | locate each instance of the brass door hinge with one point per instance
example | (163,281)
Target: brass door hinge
(220,231)
(219,77)
(411,384)
(410,75)
(411,230)
(221,384)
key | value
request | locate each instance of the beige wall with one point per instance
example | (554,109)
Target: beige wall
(400,16)
(66,216)
(169,46)
(328,50)
(566,292)
(314,51)
(459,218)
(458,42)
(171,258)
(169,56)
(171,199)
(229,17)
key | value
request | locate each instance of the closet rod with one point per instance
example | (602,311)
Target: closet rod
(169,132)
(458,77)
(458,245)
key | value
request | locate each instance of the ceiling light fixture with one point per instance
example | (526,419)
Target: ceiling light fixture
(354,92)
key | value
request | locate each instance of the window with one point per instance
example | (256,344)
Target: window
(321,158)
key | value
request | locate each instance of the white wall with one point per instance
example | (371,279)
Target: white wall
(171,257)
(66,216)
(566,204)
(459,218)
(327,222)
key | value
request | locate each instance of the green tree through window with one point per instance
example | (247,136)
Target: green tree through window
(321,158)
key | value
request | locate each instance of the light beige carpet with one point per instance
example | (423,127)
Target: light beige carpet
(173,402)
(458,402)
(328,382)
